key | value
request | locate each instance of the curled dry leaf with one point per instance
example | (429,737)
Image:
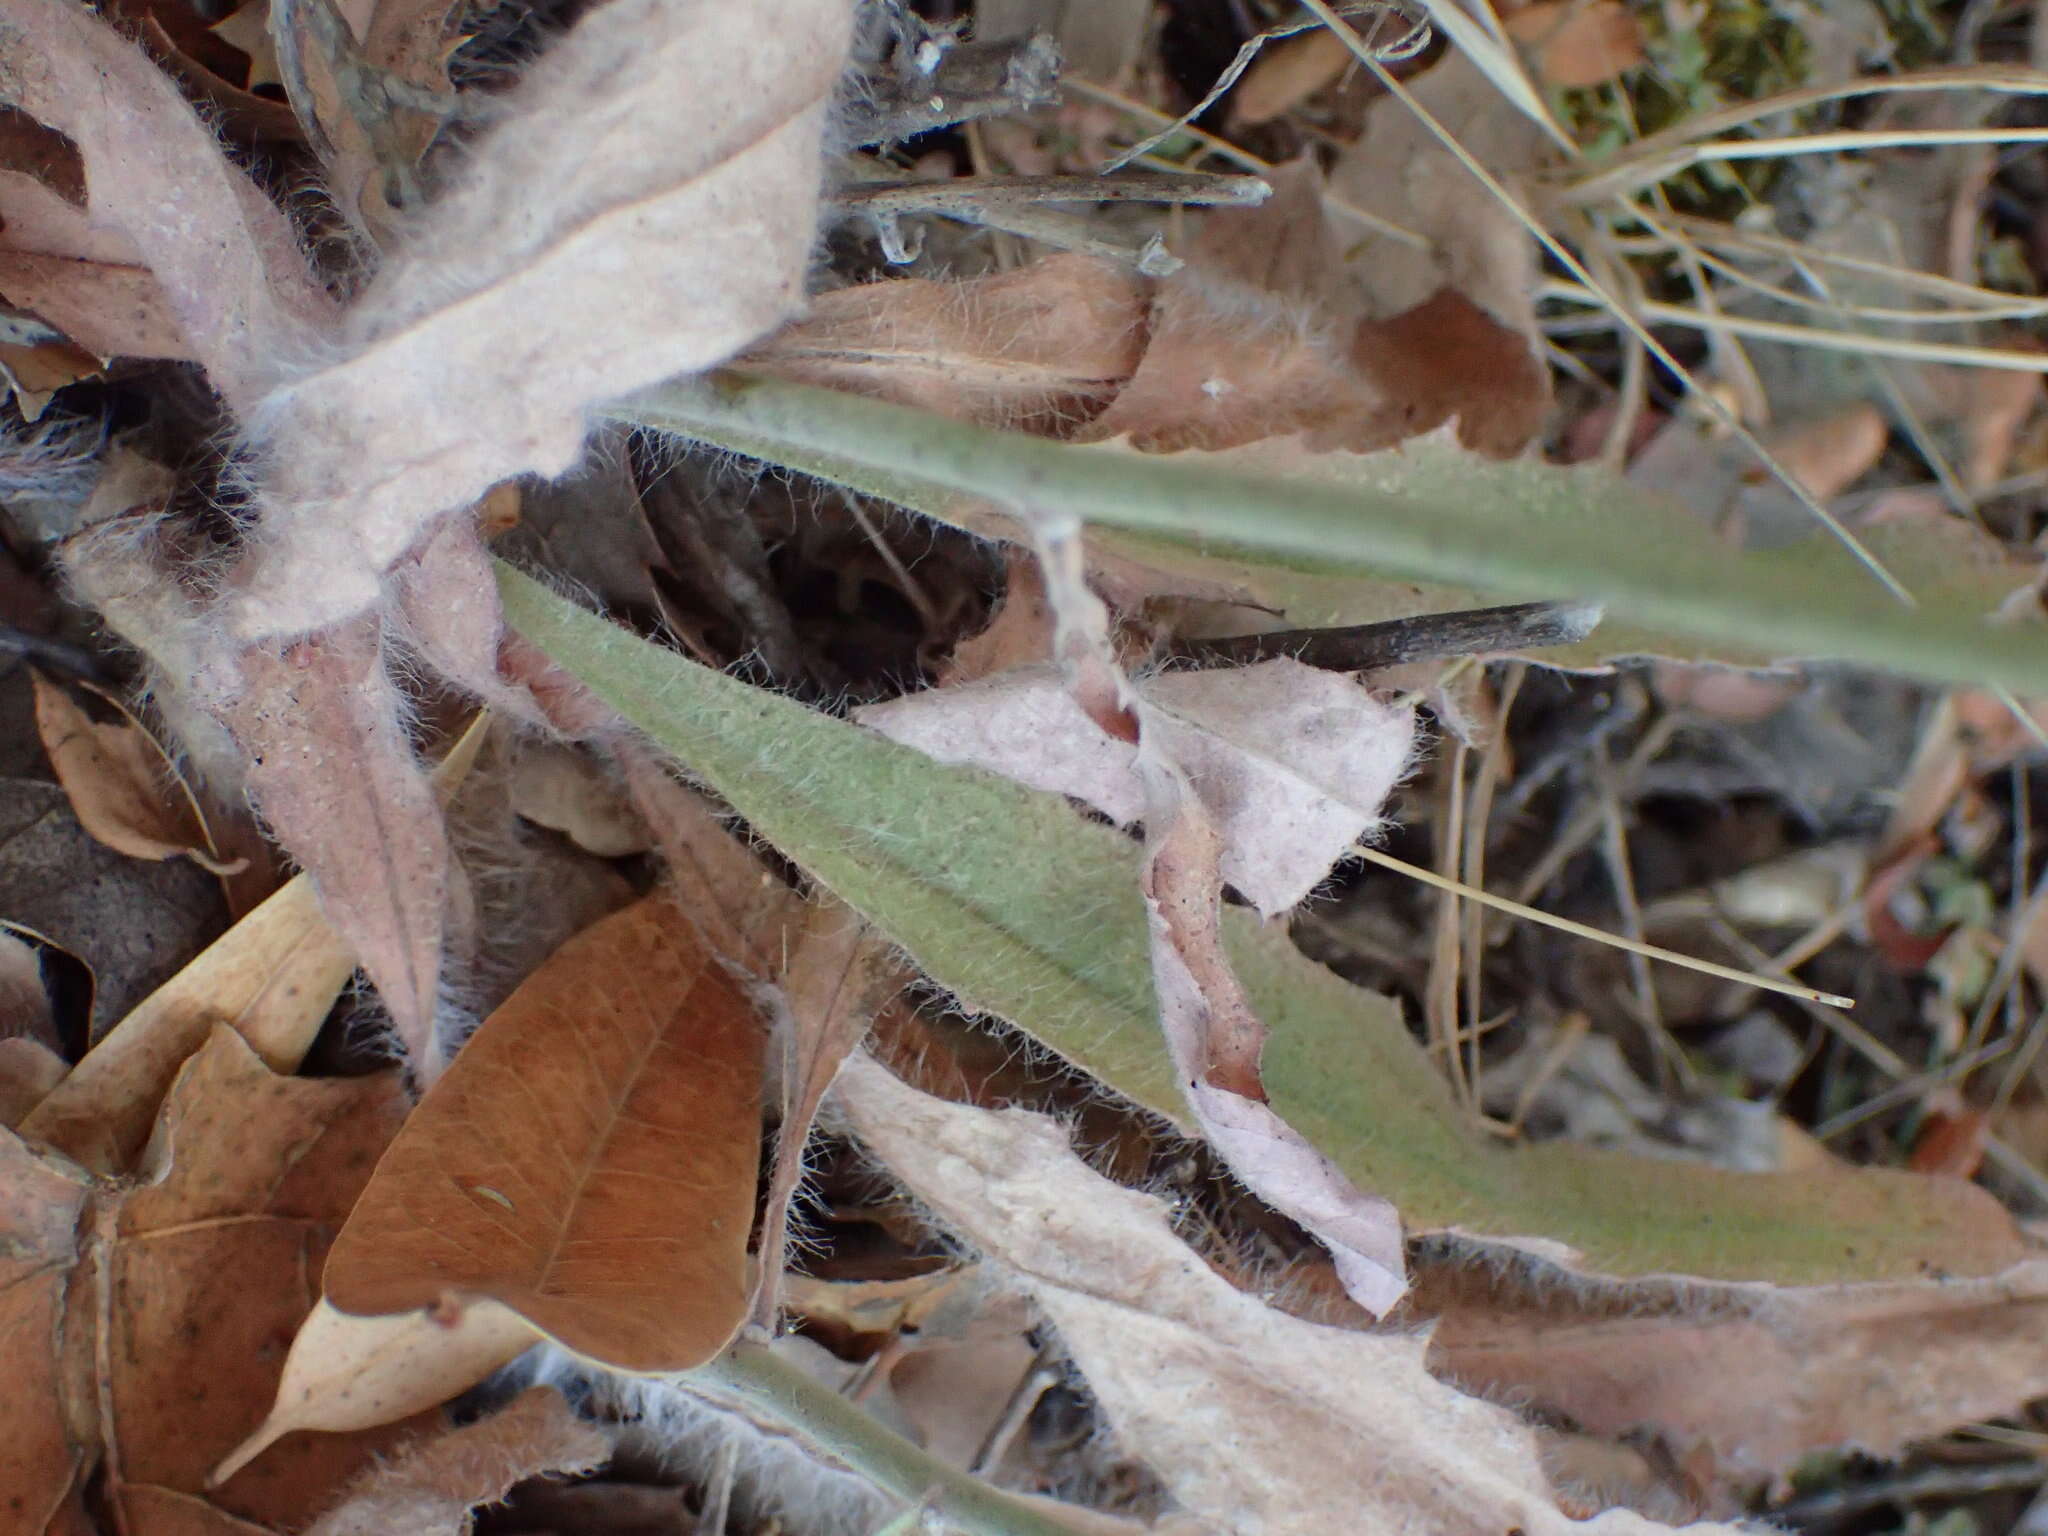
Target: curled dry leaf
(1216,1039)
(123,786)
(273,978)
(1293,763)
(346,1373)
(1183,1364)
(429,1489)
(121,1358)
(589,1159)
(646,208)
(1030,348)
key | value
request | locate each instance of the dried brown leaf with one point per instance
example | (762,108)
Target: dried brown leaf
(429,1489)
(1286,74)
(1578,45)
(1293,763)
(589,1159)
(1746,1385)
(1476,248)
(273,978)
(29,1069)
(1030,348)
(123,787)
(111,1306)
(646,208)
(346,1373)
(839,973)
(110,310)
(1183,1364)
(226,258)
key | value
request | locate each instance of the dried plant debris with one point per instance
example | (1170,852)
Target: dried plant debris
(1051,576)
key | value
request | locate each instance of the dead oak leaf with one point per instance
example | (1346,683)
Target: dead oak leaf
(589,1159)
(145,1325)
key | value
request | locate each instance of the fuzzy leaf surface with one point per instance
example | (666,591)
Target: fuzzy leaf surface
(1026,909)
(645,208)
(1347,538)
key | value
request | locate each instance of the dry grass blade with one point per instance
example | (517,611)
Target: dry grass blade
(588,1160)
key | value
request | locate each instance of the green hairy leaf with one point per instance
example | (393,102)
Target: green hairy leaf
(1028,910)
(1345,538)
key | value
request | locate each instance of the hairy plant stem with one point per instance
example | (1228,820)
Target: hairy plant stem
(757,1380)
(1425,512)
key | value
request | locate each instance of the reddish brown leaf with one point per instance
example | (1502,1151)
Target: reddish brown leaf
(589,1159)
(1951,1142)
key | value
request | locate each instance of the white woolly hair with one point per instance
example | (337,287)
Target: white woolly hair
(774,1475)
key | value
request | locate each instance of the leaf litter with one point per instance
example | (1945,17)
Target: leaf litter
(303,656)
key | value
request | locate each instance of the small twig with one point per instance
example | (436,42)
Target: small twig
(1839,1504)
(1014,204)
(968,197)
(1390,642)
